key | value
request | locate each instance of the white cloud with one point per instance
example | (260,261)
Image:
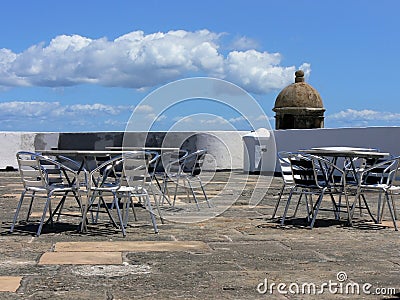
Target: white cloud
(364,117)
(182,119)
(53,114)
(32,109)
(259,72)
(244,43)
(161,118)
(264,118)
(237,119)
(136,60)
(144,108)
(365,114)
(213,120)
(94,109)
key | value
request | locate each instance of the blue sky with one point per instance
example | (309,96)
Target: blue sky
(86,65)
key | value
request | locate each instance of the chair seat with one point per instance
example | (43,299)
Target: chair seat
(374,186)
(132,189)
(61,187)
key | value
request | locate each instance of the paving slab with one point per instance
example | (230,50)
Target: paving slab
(10,195)
(81,258)
(9,283)
(131,246)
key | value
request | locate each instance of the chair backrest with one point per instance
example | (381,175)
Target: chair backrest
(315,172)
(193,163)
(286,169)
(136,167)
(171,162)
(107,174)
(154,162)
(38,171)
(30,171)
(302,170)
(384,171)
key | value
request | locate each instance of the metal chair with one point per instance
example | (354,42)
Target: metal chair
(123,177)
(44,178)
(287,177)
(352,167)
(188,169)
(169,163)
(381,178)
(316,176)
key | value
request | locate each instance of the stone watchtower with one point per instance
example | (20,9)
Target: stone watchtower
(299,106)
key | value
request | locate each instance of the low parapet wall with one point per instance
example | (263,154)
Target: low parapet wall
(225,146)
(386,139)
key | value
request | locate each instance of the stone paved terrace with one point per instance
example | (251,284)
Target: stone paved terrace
(225,257)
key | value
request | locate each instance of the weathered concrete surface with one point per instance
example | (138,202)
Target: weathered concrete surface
(245,247)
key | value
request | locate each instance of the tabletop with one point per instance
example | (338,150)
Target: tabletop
(346,152)
(78,152)
(143,148)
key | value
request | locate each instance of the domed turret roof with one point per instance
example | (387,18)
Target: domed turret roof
(299,94)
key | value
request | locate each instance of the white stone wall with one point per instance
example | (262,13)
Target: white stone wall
(224,146)
(386,139)
(227,147)
(12,142)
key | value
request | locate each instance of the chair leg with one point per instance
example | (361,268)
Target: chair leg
(30,206)
(368,209)
(311,208)
(156,202)
(307,207)
(153,219)
(17,210)
(316,209)
(84,209)
(121,221)
(60,206)
(90,204)
(133,207)
(165,191)
(204,193)
(194,195)
(382,210)
(393,205)
(391,211)
(278,201)
(287,206)
(99,195)
(176,191)
(358,194)
(46,206)
(100,200)
(162,190)
(335,207)
(51,215)
(297,205)
(125,208)
(346,198)
(339,205)
(187,192)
